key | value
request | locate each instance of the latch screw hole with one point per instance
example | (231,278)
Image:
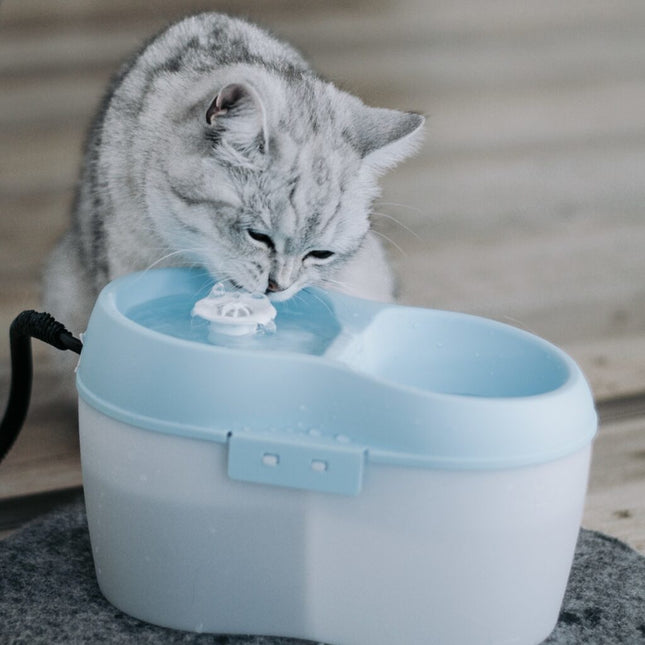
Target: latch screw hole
(270,459)
(319,465)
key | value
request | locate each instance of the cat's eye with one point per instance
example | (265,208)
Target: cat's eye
(263,238)
(319,255)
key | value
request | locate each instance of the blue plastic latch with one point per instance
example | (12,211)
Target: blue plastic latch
(296,462)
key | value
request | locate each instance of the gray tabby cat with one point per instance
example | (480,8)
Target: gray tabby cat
(218,146)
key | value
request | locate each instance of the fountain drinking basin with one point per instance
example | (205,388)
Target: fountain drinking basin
(364,474)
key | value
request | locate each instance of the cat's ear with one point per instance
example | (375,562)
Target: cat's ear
(238,111)
(386,137)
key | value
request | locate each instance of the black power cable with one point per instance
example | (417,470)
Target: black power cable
(27,325)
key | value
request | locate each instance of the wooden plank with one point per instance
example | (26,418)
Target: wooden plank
(38,165)
(398,45)
(530,187)
(623,408)
(614,367)
(28,230)
(546,118)
(463,16)
(615,502)
(50,100)
(45,456)
(23,14)
(40,162)
(68,49)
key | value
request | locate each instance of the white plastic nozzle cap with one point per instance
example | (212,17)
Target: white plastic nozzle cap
(235,312)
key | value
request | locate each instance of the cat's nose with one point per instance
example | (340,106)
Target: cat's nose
(274,287)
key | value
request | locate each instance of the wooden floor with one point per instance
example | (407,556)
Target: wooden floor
(526,204)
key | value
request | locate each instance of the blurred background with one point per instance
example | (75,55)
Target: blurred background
(525,204)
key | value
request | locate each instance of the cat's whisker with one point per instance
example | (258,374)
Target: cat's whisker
(207,282)
(297,296)
(345,287)
(340,283)
(416,209)
(397,221)
(322,302)
(163,258)
(391,241)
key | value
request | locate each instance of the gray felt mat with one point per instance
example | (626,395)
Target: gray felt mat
(48,593)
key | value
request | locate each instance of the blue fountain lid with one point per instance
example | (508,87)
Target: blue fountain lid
(341,383)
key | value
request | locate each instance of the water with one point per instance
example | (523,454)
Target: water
(305,325)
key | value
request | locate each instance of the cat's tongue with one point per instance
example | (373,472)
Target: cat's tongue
(235,312)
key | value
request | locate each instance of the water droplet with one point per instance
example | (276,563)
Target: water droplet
(342,438)
(314,432)
(218,290)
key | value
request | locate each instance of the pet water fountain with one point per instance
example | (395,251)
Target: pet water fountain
(351,472)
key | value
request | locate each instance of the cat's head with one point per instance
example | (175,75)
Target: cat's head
(273,183)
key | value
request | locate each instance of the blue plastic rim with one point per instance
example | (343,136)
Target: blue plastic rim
(343,382)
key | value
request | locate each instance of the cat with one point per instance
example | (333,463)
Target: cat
(218,146)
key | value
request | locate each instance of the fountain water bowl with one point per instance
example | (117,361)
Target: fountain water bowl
(365,474)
